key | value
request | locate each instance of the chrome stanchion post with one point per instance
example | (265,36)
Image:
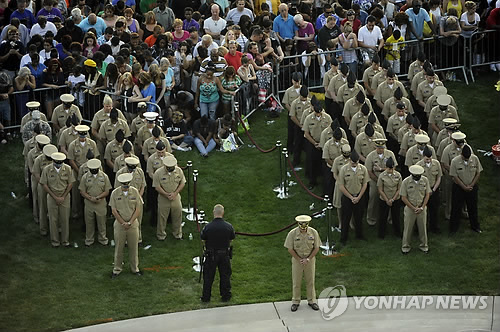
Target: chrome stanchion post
(280,185)
(192,216)
(285,175)
(189,209)
(328,245)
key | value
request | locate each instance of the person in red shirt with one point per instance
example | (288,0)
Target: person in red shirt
(351,17)
(233,57)
(151,40)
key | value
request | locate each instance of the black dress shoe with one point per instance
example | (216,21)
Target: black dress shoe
(204,300)
(405,252)
(139,273)
(294,307)
(226,299)
(314,306)
(477,230)
(114,275)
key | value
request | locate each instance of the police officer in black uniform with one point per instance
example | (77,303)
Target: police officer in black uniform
(217,237)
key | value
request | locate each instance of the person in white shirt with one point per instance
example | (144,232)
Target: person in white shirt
(207,42)
(239,37)
(214,25)
(389,9)
(42,27)
(236,13)
(370,40)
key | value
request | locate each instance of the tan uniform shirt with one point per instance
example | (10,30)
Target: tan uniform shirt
(119,162)
(416,80)
(126,204)
(57,181)
(144,133)
(84,169)
(442,145)
(169,182)
(414,155)
(100,117)
(375,163)
(389,183)
(315,126)
(377,127)
(351,107)
(39,164)
(394,123)
(329,75)
(332,148)
(335,83)
(390,106)
(425,90)
(302,243)
(386,91)
(290,95)
(32,155)
(154,163)
(94,185)
(137,124)
(432,102)
(353,181)
(364,144)
(298,107)
(409,139)
(113,150)
(413,70)
(466,172)
(138,179)
(327,134)
(345,93)
(68,135)
(449,153)
(108,130)
(149,146)
(78,151)
(436,116)
(431,172)
(30,144)
(60,115)
(368,75)
(415,191)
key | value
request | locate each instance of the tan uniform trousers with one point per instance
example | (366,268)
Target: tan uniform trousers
(95,214)
(166,208)
(34,195)
(131,237)
(100,147)
(139,218)
(76,202)
(410,218)
(373,203)
(308,271)
(59,217)
(42,210)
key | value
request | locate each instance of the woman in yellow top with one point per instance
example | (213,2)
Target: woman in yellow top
(459,5)
(274,3)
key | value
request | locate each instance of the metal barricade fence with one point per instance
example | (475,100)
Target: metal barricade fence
(443,52)
(483,50)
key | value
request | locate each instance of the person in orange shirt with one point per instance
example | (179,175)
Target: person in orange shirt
(151,40)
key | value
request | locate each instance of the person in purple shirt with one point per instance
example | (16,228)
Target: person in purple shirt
(305,33)
(24,15)
(48,11)
(189,22)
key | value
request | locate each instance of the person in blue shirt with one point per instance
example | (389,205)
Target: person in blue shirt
(36,69)
(283,24)
(417,16)
(148,90)
(93,22)
(327,11)
(128,3)
(24,15)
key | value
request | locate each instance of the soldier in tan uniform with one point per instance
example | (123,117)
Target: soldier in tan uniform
(369,73)
(388,187)
(365,142)
(77,156)
(386,89)
(84,169)
(453,150)
(331,150)
(94,188)
(290,95)
(146,132)
(390,105)
(465,170)
(99,118)
(297,109)
(395,122)
(419,78)
(113,150)
(432,101)
(126,205)
(119,162)
(109,128)
(314,125)
(353,180)
(416,66)
(327,133)
(40,163)
(348,90)
(57,180)
(375,164)
(149,146)
(359,120)
(303,244)
(32,106)
(433,172)
(416,152)
(444,137)
(169,182)
(138,182)
(68,134)
(63,111)
(338,163)
(155,161)
(137,123)
(335,83)
(426,88)
(41,141)
(353,106)
(373,120)
(409,137)
(329,75)
(415,192)
(439,113)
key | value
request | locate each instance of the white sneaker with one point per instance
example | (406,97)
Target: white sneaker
(493,67)
(498,66)
(181,149)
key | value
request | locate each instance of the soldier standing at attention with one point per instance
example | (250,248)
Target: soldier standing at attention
(126,205)
(169,182)
(38,166)
(389,186)
(465,170)
(338,163)
(415,192)
(95,187)
(290,95)
(353,181)
(303,244)
(433,172)
(217,237)
(57,180)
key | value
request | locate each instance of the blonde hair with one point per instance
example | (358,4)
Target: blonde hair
(24,71)
(170,36)
(177,22)
(126,75)
(347,27)
(107,100)
(149,18)
(154,72)
(222,50)
(164,61)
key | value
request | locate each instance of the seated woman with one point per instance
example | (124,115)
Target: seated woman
(203,132)
(226,136)
(176,131)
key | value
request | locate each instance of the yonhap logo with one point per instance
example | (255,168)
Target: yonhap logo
(334,302)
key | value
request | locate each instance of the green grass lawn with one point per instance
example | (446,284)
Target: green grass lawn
(45,289)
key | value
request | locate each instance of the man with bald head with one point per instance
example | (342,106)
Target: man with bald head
(217,237)
(93,21)
(214,25)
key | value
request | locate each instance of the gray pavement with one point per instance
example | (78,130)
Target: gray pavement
(277,317)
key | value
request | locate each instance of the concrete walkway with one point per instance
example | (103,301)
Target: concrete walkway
(277,317)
